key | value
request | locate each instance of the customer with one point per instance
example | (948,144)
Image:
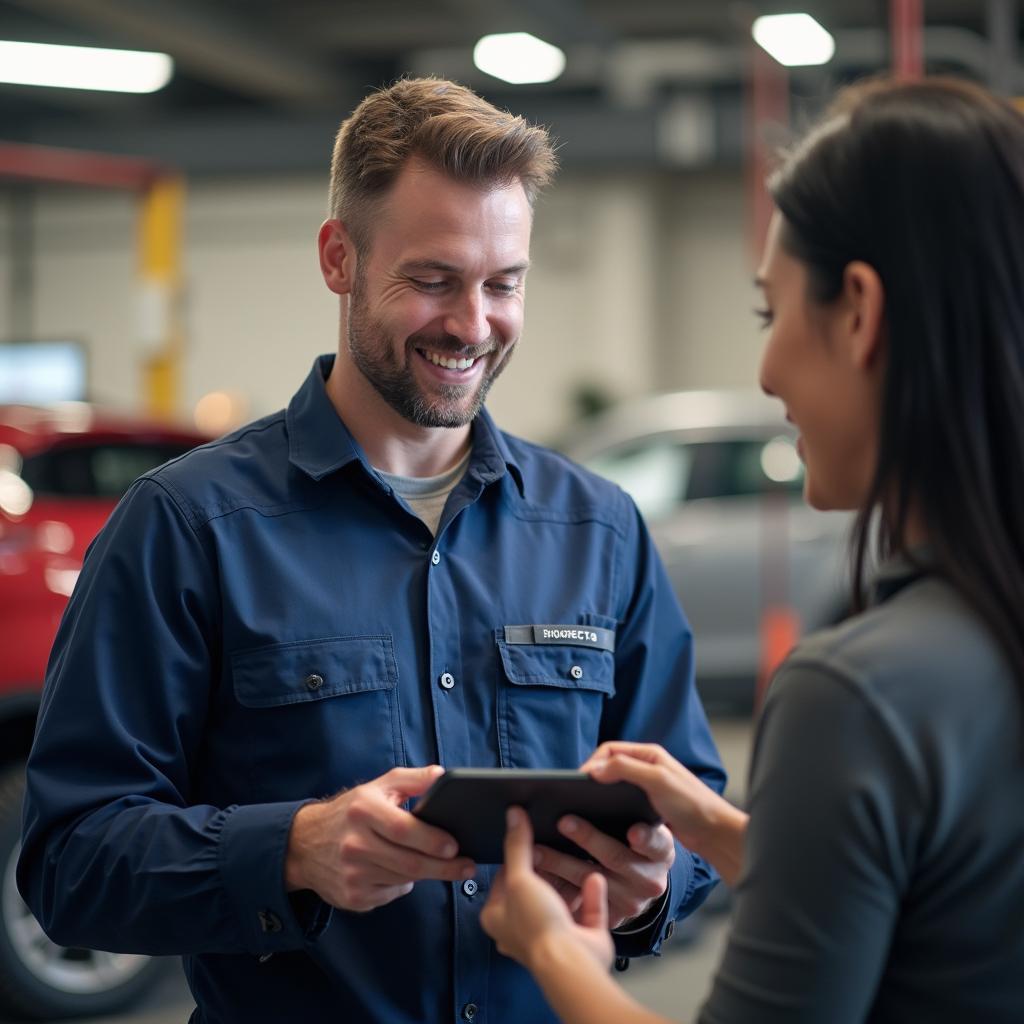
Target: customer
(881,872)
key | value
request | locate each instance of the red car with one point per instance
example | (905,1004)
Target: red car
(62,471)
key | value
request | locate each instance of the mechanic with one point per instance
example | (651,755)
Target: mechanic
(279,637)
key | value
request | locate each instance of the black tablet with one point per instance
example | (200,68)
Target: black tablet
(470,804)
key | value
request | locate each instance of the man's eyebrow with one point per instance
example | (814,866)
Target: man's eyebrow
(450,268)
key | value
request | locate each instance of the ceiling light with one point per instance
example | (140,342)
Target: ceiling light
(83,67)
(518,57)
(795,40)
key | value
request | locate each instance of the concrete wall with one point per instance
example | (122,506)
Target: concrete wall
(639,284)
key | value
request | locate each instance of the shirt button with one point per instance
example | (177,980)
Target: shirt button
(469,1011)
(435,557)
(314,681)
(269,921)
(576,672)
(447,680)
(469,887)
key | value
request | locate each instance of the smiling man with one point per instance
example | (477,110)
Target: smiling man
(279,638)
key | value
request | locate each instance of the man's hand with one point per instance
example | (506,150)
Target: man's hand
(361,850)
(637,874)
(523,914)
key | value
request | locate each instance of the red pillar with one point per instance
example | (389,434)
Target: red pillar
(906,26)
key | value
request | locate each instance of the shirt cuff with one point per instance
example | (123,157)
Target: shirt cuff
(644,935)
(253,844)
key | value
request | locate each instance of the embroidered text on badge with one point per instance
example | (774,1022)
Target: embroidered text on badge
(569,635)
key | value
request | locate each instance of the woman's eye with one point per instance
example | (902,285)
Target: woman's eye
(765,316)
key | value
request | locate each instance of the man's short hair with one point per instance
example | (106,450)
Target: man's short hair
(444,124)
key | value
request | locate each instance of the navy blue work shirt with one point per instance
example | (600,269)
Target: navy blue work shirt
(263,622)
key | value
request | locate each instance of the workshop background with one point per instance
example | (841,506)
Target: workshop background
(158,256)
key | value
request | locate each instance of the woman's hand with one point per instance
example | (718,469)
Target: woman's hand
(524,914)
(698,817)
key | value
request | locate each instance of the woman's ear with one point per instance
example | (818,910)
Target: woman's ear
(863,314)
(337,256)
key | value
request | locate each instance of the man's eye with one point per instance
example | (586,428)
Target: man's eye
(428,286)
(504,287)
(765,316)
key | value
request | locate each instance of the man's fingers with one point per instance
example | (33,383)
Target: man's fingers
(593,910)
(406,782)
(518,842)
(563,866)
(654,842)
(390,838)
(402,828)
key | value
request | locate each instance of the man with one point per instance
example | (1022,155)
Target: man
(279,636)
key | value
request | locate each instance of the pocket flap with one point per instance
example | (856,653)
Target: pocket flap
(306,670)
(571,668)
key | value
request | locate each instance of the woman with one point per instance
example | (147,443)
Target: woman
(880,875)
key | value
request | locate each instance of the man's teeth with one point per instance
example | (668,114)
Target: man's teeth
(448,363)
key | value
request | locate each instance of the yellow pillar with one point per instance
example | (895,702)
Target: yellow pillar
(160,329)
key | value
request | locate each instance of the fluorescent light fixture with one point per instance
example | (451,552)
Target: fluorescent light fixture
(795,40)
(519,58)
(83,67)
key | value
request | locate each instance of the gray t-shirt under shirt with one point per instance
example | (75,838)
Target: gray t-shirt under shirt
(426,495)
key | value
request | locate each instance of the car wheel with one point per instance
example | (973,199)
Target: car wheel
(40,980)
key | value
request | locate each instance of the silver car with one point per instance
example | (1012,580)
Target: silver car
(717,477)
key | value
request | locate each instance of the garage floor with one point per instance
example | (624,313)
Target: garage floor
(674,984)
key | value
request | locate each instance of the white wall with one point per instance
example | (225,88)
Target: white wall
(638,284)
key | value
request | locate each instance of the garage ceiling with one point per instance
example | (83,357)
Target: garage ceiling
(261,84)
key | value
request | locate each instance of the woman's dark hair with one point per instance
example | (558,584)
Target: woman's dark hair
(924,181)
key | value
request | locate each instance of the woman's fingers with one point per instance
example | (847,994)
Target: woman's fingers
(518,842)
(593,910)
(652,753)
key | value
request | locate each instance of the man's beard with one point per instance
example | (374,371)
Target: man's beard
(381,363)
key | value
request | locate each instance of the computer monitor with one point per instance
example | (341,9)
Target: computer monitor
(33,372)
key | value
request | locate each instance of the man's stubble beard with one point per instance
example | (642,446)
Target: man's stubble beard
(371,349)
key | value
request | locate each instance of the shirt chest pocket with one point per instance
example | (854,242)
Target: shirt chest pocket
(551,698)
(317,715)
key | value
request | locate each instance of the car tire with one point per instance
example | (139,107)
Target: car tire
(40,980)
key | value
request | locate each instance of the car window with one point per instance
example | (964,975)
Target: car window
(744,468)
(661,472)
(653,472)
(94,471)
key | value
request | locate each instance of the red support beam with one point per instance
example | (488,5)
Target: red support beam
(767,117)
(77,167)
(906,25)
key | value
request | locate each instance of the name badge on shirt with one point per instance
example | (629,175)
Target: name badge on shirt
(570,636)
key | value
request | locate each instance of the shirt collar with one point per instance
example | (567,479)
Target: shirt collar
(900,569)
(319,443)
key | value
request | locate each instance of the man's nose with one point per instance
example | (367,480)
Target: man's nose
(468,320)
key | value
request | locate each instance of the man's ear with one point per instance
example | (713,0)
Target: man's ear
(863,313)
(337,256)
